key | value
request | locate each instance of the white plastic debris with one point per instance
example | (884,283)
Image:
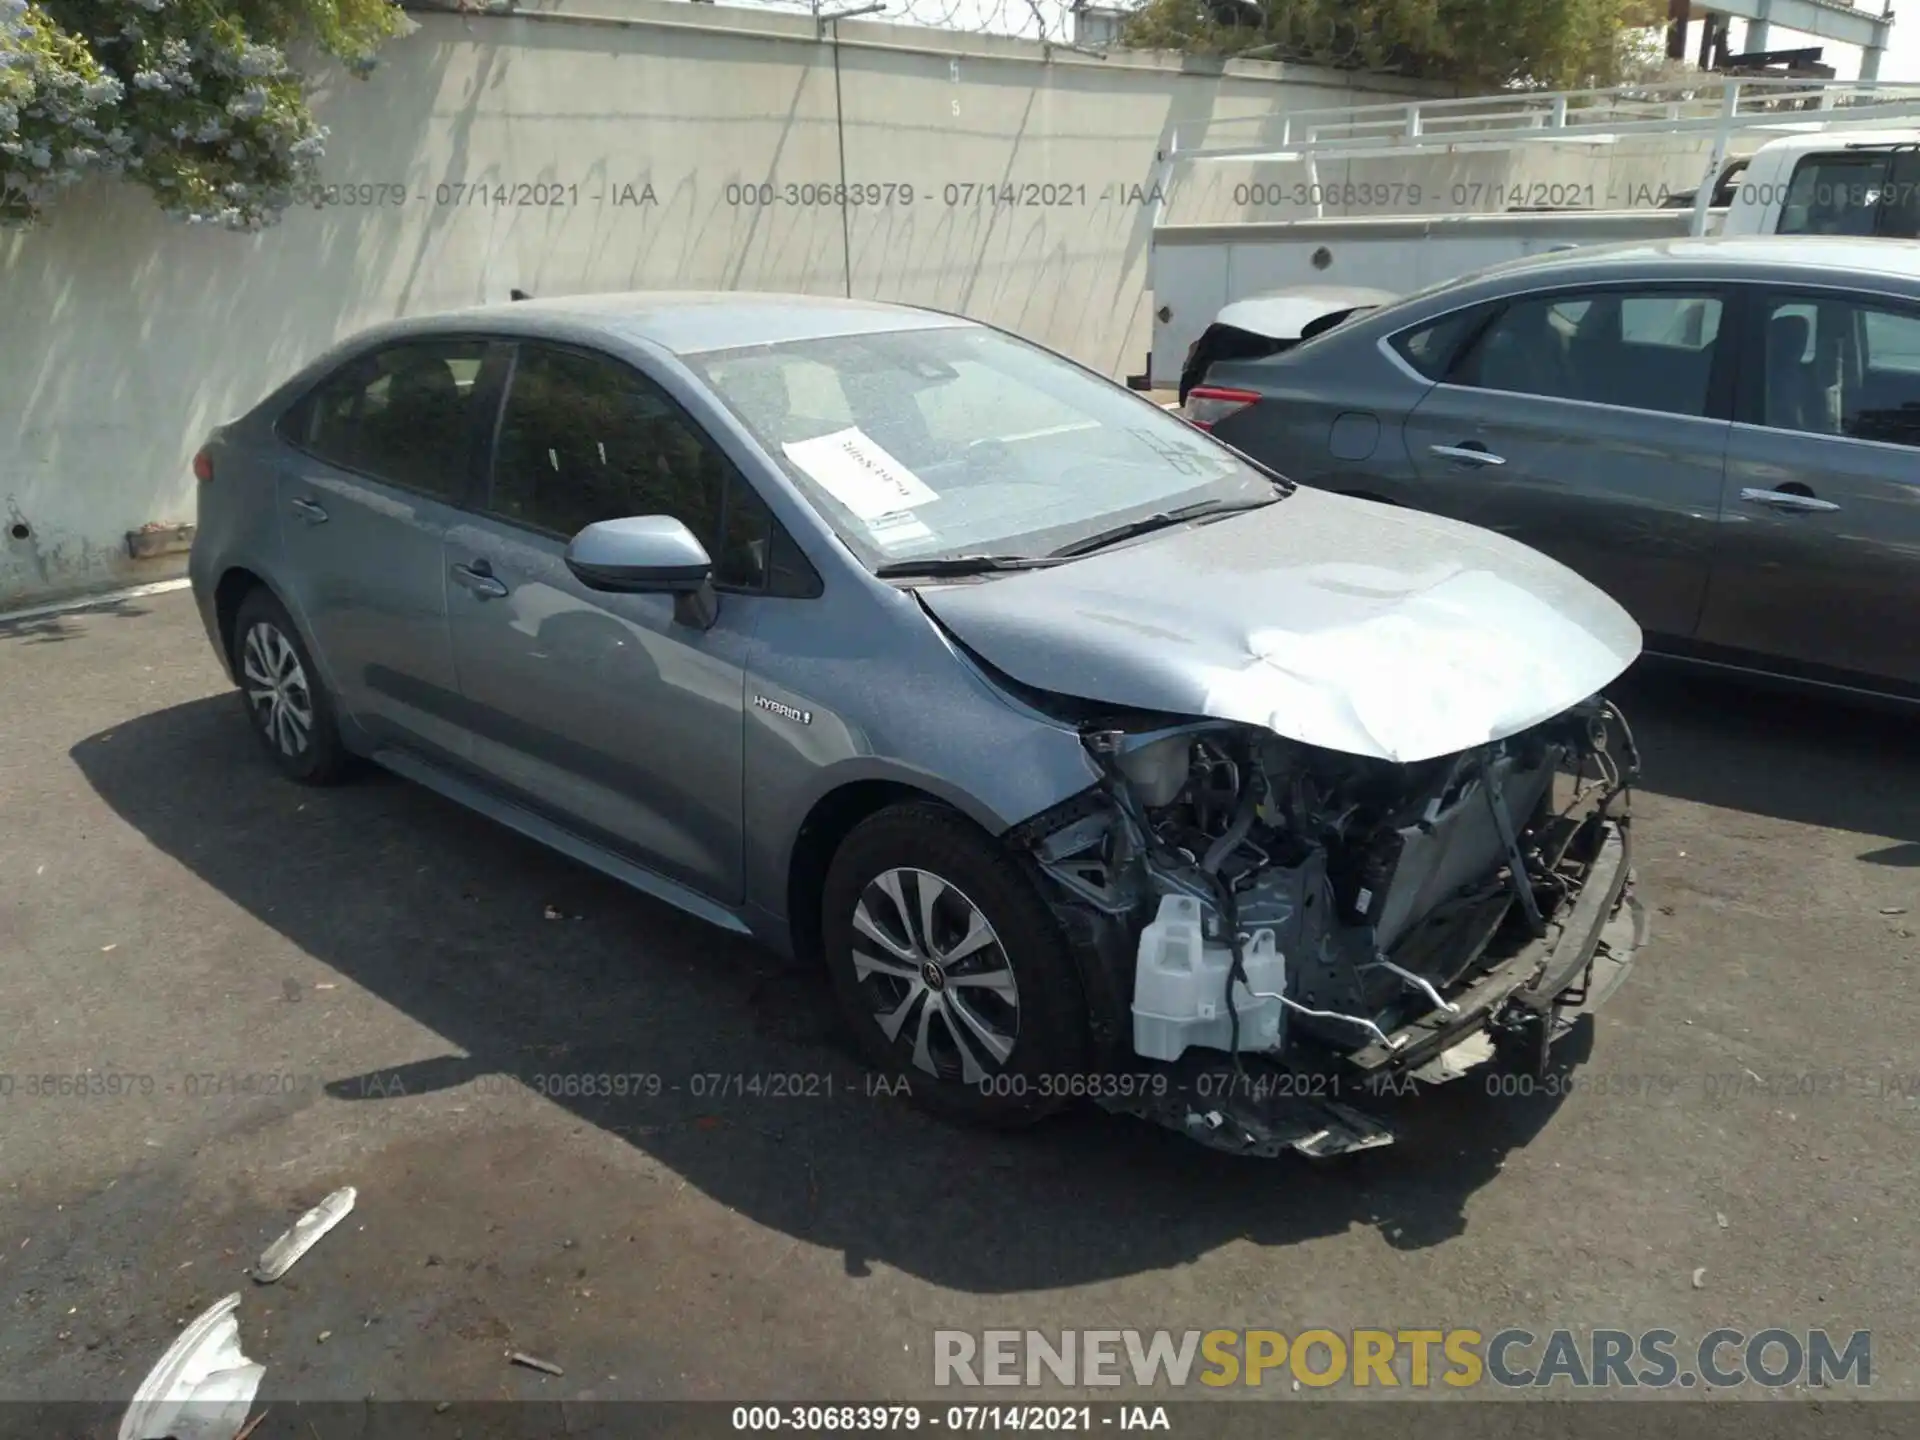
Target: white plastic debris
(278,1257)
(1700,1278)
(203,1386)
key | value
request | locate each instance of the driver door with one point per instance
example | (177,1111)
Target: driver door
(605,711)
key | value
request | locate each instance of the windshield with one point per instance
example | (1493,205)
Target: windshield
(955,441)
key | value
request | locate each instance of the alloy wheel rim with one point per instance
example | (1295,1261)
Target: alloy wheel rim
(934,970)
(277,691)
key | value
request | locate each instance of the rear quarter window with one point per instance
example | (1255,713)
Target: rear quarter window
(401,414)
(1431,348)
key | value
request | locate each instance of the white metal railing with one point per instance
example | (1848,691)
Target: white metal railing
(1508,118)
(1719,108)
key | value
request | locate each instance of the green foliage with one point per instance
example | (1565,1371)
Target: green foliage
(1476,44)
(194,99)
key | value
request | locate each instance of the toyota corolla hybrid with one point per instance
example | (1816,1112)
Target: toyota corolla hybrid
(1089,758)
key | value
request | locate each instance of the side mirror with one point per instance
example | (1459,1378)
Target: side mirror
(647,555)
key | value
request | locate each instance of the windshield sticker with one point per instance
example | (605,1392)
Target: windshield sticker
(853,468)
(901,527)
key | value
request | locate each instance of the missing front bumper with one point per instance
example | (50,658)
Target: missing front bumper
(1532,981)
(1260,1108)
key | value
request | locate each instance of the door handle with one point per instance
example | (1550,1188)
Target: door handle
(1468,454)
(1788,500)
(478,577)
(309,511)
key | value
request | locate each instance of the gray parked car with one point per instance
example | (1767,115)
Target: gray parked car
(1091,759)
(1720,433)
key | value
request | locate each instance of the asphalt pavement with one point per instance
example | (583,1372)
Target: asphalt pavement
(271,992)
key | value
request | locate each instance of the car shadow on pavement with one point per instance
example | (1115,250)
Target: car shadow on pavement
(52,627)
(537,970)
(1807,759)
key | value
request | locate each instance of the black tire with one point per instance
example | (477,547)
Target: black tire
(312,753)
(1048,1026)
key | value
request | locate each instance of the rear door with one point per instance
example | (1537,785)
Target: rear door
(381,454)
(1818,564)
(1590,424)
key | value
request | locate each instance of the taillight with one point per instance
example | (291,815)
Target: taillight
(203,467)
(1208,405)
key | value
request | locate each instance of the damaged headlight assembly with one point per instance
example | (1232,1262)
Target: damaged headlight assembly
(1285,925)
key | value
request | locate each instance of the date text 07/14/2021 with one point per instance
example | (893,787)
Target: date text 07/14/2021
(765,194)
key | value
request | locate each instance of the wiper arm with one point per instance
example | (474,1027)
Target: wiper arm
(962,565)
(1100,539)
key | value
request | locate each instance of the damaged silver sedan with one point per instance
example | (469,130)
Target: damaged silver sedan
(1392,845)
(1091,759)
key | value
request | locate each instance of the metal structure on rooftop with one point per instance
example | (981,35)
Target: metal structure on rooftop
(1097,26)
(1833,20)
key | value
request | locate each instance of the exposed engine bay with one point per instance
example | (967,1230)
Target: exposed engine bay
(1257,910)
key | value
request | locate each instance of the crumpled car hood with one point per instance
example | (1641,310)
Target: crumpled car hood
(1335,622)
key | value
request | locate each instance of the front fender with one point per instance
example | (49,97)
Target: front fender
(889,700)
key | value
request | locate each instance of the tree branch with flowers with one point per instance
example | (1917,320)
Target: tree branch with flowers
(196,100)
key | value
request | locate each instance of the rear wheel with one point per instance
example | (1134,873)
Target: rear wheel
(949,968)
(287,703)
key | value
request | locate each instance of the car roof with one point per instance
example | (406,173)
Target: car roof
(685,322)
(1867,261)
(1731,255)
(1840,140)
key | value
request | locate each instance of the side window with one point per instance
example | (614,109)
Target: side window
(1641,352)
(402,414)
(1892,342)
(1430,349)
(1837,367)
(758,553)
(1689,324)
(585,438)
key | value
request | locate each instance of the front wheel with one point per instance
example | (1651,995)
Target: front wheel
(950,970)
